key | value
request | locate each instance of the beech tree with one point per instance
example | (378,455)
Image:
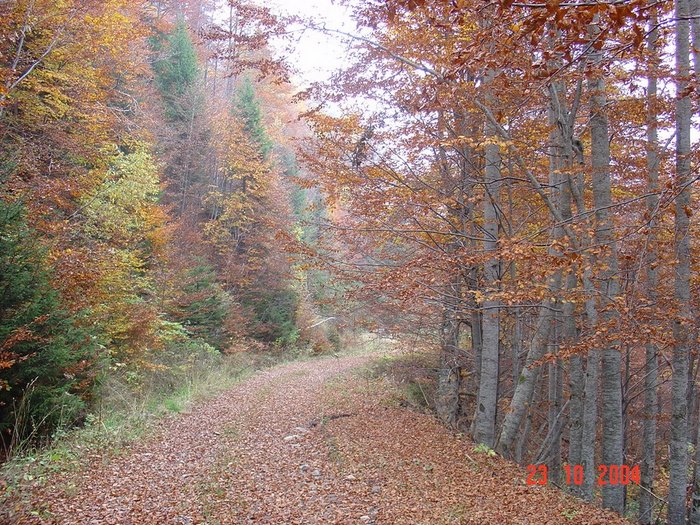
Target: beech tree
(516,185)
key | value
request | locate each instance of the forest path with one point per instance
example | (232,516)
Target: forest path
(313,442)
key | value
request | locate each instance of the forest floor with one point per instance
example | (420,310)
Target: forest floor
(320,441)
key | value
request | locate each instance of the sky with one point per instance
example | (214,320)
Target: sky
(315,54)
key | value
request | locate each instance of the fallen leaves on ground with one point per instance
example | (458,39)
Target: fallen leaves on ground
(304,443)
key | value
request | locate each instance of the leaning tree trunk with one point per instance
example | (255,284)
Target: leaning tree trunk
(525,386)
(678,455)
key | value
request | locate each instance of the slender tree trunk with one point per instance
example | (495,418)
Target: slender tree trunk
(524,389)
(589,410)
(485,426)
(589,419)
(477,343)
(447,398)
(562,160)
(648,467)
(589,424)
(557,157)
(694,8)
(449,376)
(678,456)
(612,432)
(554,416)
(517,343)
(517,336)
(576,381)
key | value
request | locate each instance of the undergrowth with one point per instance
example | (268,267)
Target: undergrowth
(414,375)
(130,402)
(128,408)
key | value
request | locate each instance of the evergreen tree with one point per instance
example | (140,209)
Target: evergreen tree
(176,74)
(248,108)
(203,306)
(43,355)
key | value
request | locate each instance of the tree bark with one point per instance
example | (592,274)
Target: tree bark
(695,502)
(678,455)
(447,398)
(613,495)
(648,467)
(522,397)
(485,420)
(524,388)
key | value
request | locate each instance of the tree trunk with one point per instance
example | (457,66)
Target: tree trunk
(678,455)
(612,432)
(555,419)
(589,424)
(522,397)
(694,8)
(648,467)
(447,398)
(695,502)
(576,388)
(524,387)
(563,159)
(485,420)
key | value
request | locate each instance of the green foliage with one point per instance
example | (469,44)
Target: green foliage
(121,208)
(275,316)
(176,74)
(484,449)
(249,111)
(202,307)
(44,357)
(121,221)
(569,514)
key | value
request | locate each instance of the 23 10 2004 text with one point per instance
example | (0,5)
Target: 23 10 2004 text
(575,475)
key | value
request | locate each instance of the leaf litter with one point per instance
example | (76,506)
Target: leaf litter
(304,443)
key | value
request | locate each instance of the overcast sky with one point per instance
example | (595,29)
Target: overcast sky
(315,54)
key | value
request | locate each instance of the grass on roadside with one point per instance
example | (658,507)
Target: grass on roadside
(130,404)
(126,412)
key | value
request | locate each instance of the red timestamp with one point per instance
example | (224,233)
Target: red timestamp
(574,475)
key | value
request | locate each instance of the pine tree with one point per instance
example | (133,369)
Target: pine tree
(43,354)
(248,108)
(176,74)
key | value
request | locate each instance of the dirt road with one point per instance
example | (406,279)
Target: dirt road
(314,442)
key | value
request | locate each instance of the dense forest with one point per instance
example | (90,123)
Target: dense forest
(509,185)
(147,190)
